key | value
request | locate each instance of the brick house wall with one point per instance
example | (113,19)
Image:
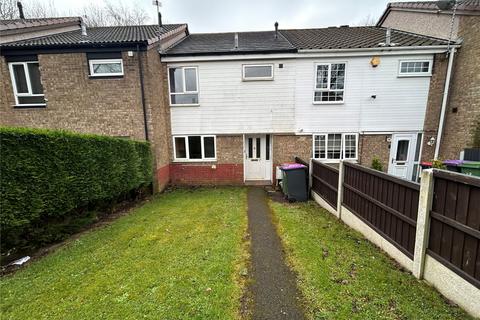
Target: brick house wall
(158,115)
(434,105)
(105,106)
(374,146)
(77,102)
(227,170)
(463,108)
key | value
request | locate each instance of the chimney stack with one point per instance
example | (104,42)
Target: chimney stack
(236,41)
(20,10)
(276,30)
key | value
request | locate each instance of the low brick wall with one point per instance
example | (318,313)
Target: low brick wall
(206,174)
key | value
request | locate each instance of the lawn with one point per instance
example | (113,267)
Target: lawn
(343,276)
(177,257)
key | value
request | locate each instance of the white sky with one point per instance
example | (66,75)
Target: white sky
(244,15)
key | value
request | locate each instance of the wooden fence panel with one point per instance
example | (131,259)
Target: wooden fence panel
(455,224)
(325,182)
(387,204)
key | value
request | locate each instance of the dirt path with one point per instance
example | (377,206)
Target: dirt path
(274,291)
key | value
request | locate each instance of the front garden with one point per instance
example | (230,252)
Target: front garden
(179,256)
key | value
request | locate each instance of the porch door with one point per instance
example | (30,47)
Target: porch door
(402,155)
(258,165)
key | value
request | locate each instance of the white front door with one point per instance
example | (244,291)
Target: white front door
(258,155)
(402,155)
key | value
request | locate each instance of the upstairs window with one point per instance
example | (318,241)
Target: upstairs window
(194,148)
(183,83)
(27,85)
(106,67)
(335,146)
(253,72)
(413,68)
(329,83)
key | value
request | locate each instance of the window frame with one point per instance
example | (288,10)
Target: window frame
(187,151)
(244,66)
(415,74)
(91,62)
(29,85)
(170,93)
(315,89)
(342,147)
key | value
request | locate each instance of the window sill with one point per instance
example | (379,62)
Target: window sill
(30,106)
(414,75)
(185,105)
(193,160)
(257,79)
(106,77)
(328,102)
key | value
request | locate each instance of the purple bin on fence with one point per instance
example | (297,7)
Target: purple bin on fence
(453,165)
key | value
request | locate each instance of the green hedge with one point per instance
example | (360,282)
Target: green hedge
(46,176)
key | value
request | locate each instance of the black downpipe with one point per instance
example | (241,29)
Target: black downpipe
(142,89)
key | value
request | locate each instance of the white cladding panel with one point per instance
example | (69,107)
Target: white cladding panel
(230,105)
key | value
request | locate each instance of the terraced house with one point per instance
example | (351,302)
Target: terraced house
(227,108)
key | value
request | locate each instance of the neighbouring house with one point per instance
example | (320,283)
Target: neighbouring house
(21,29)
(105,80)
(243,103)
(462,116)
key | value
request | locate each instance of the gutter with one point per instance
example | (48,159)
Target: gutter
(142,91)
(391,48)
(444,102)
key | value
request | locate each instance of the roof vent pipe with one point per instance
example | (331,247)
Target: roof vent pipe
(236,40)
(20,10)
(276,30)
(388,40)
(84,28)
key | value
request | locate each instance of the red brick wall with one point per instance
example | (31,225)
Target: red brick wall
(374,145)
(206,174)
(227,170)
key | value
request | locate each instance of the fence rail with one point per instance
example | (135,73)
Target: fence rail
(325,182)
(387,204)
(455,223)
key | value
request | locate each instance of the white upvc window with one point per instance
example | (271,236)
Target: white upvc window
(27,84)
(195,148)
(255,72)
(335,146)
(329,85)
(414,68)
(106,67)
(183,86)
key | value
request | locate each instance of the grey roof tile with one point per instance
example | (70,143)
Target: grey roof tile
(97,35)
(13,24)
(354,38)
(224,43)
(291,40)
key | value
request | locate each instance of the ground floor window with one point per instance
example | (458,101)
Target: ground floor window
(194,148)
(335,146)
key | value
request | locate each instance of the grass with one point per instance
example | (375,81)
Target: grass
(176,257)
(343,276)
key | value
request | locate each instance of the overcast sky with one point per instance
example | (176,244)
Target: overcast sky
(244,15)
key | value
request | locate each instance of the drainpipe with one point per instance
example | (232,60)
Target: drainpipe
(142,90)
(444,102)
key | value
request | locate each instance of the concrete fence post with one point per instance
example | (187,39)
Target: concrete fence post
(423,222)
(340,189)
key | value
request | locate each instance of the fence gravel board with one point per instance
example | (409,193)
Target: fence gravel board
(325,182)
(455,224)
(387,204)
